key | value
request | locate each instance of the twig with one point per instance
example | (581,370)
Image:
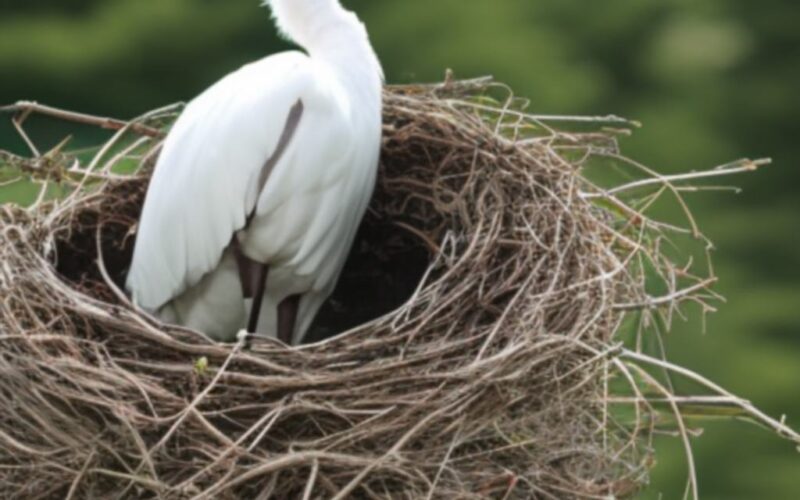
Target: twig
(73,489)
(780,427)
(312,480)
(743,166)
(654,302)
(684,433)
(28,107)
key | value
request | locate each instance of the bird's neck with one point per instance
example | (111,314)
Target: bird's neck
(334,36)
(351,58)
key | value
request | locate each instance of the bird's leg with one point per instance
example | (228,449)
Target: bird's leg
(287,317)
(253,277)
(259,280)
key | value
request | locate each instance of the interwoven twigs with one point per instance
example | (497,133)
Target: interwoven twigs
(491,380)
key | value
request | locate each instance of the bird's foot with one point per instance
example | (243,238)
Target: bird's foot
(244,339)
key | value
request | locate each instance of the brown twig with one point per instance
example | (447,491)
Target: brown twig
(28,107)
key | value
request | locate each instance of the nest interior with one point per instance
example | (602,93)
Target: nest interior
(480,302)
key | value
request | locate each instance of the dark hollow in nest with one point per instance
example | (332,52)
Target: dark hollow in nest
(497,284)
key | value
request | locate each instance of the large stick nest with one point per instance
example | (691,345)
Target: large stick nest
(504,276)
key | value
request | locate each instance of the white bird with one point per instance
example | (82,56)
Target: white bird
(262,182)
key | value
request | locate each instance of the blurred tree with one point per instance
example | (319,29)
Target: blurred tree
(712,81)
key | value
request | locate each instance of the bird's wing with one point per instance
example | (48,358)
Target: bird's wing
(207,180)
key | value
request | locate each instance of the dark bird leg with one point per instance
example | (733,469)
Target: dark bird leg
(259,277)
(253,276)
(287,317)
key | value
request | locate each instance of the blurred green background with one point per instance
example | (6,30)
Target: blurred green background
(712,81)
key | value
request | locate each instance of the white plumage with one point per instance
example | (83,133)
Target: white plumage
(206,181)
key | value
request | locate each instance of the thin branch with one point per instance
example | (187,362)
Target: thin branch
(743,166)
(28,107)
(778,426)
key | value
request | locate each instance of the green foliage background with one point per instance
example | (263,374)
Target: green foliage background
(712,81)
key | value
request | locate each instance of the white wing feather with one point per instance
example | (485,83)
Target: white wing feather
(205,182)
